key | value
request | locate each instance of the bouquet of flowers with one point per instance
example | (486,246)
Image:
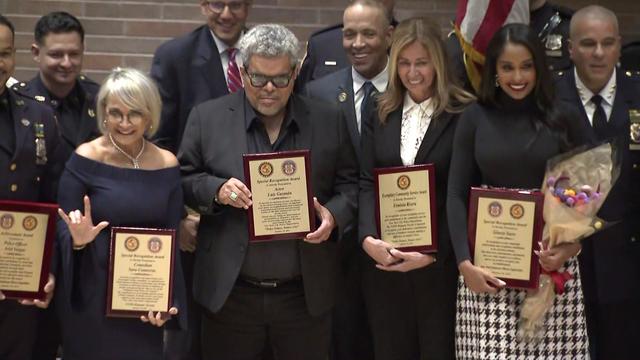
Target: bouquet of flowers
(575,187)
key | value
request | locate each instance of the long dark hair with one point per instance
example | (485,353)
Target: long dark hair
(543,92)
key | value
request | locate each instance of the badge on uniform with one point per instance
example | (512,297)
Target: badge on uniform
(634,129)
(342,97)
(553,45)
(41,148)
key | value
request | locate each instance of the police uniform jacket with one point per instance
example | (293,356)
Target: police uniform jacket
(324,55)
(30,174)
(610,259)
(551,24)
(87,128)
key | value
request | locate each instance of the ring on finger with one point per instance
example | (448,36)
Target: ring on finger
(233,196)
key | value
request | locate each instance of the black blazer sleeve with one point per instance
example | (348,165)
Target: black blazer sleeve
(367,223)
(343,205)
(200,187)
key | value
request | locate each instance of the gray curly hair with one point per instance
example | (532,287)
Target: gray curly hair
(269,40)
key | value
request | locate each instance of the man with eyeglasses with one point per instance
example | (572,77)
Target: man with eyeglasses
(191,69)
(281,291)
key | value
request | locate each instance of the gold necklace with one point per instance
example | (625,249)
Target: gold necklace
(134,160)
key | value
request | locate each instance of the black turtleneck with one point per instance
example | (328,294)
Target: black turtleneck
(497,146)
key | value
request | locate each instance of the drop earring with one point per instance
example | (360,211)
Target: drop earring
(497,83)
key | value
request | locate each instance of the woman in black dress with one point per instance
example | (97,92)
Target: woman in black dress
(118,179)
(410,297)
(505,141)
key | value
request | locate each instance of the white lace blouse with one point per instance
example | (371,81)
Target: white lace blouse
(415,122)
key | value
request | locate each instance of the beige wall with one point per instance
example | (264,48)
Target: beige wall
(126,33)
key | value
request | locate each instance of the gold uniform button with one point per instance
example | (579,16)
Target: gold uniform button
(14,187)
(12,167)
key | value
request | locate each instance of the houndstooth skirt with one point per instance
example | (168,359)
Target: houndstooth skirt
(486,325)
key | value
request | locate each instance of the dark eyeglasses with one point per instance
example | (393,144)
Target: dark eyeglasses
(218,6)
(259,80)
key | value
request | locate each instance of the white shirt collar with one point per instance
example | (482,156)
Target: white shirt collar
(425,107)
(608,92)
(221,45)
(380,81)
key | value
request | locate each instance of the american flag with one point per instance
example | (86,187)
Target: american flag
(477,21)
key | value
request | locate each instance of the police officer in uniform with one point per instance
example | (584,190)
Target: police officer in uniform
(607,99)
(29,166)
(551,23)
(58,50)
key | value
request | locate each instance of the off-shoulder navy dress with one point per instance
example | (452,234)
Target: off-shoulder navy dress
(123,197)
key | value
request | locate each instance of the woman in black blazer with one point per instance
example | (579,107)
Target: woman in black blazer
(411,298)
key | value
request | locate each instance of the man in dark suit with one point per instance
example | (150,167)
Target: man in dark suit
(195,67)
(324,53)
(366,31)
(28,141)
(58,50)
(283,290)
(609,103)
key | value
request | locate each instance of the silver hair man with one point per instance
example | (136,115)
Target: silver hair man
(269,40)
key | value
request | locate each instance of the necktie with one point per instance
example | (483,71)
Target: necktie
(367,102)
(600,125)
(234,81)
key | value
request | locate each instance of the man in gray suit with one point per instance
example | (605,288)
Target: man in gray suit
(366,39)
(282,290)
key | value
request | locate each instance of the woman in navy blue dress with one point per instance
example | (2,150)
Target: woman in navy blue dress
(119,179)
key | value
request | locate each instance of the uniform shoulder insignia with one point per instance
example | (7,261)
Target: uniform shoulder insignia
(22,93)
(22,86)
(87,81)
(633,75)
(11,82)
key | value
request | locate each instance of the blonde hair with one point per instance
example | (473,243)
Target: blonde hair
(136,90)
(447,95)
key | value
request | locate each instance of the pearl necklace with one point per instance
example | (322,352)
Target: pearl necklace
(134,160)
